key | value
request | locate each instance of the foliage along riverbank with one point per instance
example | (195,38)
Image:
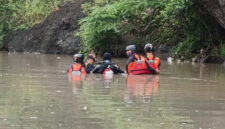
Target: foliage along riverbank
(54,35)
(112,24)
(21,14)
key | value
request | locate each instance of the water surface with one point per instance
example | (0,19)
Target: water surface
(37,93)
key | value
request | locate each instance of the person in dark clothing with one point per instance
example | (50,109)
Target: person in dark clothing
(106,66)
(89,65)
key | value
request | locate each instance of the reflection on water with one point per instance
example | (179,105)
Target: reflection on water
(37,93)
(145,86)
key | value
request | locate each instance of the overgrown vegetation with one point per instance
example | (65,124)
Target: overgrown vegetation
(21,14)
(111,24)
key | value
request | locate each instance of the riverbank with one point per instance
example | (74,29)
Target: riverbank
(166,57)
(54,35)
(57,33)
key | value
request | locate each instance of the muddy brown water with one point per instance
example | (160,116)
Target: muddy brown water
(37,93)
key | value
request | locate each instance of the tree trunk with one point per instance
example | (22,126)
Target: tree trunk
(216,8)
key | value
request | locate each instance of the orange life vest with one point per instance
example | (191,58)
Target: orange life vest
(137,66)
(77,67)
(153,62)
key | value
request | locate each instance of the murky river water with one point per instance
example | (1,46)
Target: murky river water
(37,93)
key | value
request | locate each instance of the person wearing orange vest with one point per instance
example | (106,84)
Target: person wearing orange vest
(135,63)
(78,66)
(152,62)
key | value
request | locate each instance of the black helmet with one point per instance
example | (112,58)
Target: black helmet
(131,47)
(80,58)
(149,47)
(107,56)
(92,56)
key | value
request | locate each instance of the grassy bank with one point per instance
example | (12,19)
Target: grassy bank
(22,14)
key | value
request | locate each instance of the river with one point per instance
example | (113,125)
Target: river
(37,93)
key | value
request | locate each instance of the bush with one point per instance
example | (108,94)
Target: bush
(176,22)
(21,14)
(146,20)
(222,50)
(108,24)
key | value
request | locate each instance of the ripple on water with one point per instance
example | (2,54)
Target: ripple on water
(36,93)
